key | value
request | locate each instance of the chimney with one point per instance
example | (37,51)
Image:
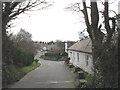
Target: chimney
(66,47)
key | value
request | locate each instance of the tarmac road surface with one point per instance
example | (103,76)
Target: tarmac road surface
(51,74)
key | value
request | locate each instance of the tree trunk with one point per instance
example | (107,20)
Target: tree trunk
(104,54)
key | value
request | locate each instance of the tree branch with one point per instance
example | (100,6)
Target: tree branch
(94,22)
(87,19)
(106,16)
(94,14)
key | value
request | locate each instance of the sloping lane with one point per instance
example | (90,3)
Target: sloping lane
(51,74)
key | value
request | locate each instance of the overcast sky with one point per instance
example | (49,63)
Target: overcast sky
(52,24)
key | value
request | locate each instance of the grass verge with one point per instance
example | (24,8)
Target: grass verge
(31,67)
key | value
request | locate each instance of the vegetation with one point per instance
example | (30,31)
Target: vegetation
(11,73)
(29,68)
(104,45)
(11,10)
(36,60)
(49,58)
(18,50)
(23,58)
(89,78)
(53,55)
(15,57)
(105,54)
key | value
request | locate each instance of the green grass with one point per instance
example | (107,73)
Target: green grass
(31,67)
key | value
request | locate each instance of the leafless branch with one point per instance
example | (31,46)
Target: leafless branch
(113,12)
(107,25)
(12,9)
(113,1)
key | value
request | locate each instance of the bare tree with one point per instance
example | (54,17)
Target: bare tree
(104,60)
(12,9)
(23,40)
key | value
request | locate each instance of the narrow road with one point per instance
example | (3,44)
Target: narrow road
(51,74)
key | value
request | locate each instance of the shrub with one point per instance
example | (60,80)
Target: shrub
(10,74)
(23,58)
(55,55)
(89,78)
(63,54)
(49,58)
(36,61)
(14,57)
(52,54)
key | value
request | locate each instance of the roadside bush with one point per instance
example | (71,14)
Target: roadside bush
(63,54)
(49,58)
(22,58)
(15,56)
(10,68)
(29,58)
(36,61)
(7,50)
(55,56)
(52,54)
(89,78)
(10,74)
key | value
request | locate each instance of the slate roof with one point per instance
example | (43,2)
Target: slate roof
(82,46)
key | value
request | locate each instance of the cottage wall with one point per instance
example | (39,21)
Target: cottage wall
(82,60)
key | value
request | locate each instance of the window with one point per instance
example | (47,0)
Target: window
(78,57)
(70,54)
(87,58)
(73,55)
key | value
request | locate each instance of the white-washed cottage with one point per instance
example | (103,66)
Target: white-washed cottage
(80,55)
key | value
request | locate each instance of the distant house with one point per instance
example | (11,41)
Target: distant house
(80,55)
(68,44)
(59,46)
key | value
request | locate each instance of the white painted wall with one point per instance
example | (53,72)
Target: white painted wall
(81,62)
(66,47)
